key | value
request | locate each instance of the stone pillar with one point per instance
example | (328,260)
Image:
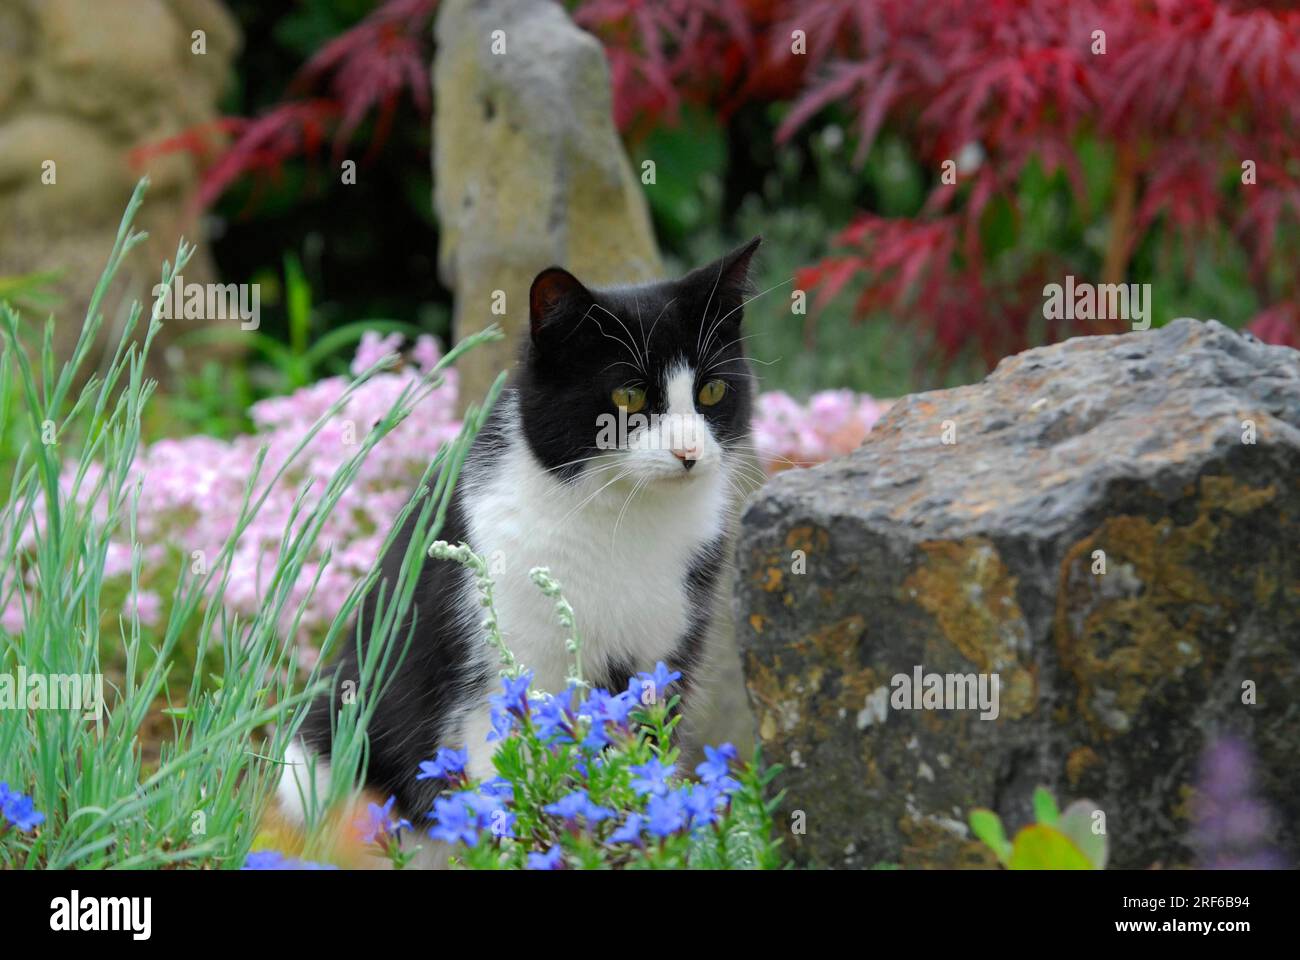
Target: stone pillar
(529,171)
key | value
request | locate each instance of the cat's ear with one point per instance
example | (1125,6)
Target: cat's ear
(724,284)
(557,302)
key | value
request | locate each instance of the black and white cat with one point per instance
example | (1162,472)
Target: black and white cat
(638,536)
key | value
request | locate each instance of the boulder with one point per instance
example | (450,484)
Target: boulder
(1110,527)
(528,167)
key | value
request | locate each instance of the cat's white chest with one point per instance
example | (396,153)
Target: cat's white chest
(622,560)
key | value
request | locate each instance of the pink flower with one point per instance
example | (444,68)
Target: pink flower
(788,434)
(372,349)
(146,605)
(192,488)
(426,353)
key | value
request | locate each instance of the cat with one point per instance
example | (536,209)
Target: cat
(635,525)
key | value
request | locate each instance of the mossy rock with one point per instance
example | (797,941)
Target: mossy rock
(1110,525)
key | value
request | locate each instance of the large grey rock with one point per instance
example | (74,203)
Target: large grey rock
(529,171)
(983,556)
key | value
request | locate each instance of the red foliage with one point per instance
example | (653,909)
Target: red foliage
(365,70)
(1186,92)
(1278,324)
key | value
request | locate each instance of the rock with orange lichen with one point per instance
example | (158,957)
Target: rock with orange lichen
(1110,527)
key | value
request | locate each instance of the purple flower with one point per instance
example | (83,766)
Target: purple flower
(446,765)
(1233,826)
(578,804)
(630,832)
(651,777)
(552,859)
(18,809)
(665,815)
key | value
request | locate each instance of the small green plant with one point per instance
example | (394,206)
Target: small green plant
(1073,840)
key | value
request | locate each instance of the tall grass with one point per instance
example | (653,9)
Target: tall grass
(201,801)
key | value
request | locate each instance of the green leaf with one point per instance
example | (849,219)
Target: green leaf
(1077,823)
(1045,848)
(1046,811)
(987,826)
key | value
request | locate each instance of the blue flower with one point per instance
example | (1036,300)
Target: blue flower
(553,718)
(652,777)
(597,738)
(513,697)
(446,765)
(552,859)
(454,820)
(464,816)
(499,788)
(378,824)
(665,815)
(578,804)
(601,706)
(502,723)
(656,683)
(491,813)
(275,860)
(715,769)
(702,802)
(630,832)
(18,809)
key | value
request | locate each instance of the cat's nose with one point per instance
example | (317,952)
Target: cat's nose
(687,457)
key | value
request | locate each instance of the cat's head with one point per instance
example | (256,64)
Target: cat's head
(642,383)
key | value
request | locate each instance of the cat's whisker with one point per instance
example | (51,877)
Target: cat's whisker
(707,304)
(635,490)
(591,473)
(718,323)
(639,365)
(624,363)
(753,448)
(588,499)
(718,350)
(656,323)
(636,353)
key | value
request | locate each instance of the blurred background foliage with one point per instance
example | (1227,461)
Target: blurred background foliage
(825,126)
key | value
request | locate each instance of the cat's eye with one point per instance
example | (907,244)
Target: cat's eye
(712,392)
(631,399)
